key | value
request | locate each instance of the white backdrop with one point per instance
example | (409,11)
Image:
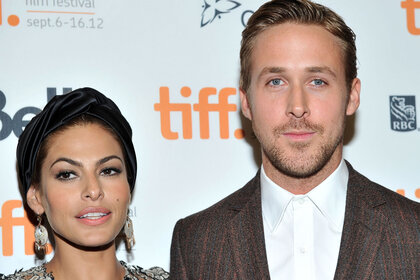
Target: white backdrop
(134,50)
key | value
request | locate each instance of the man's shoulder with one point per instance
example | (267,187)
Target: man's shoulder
(373,194)
(227,207)
(380,232)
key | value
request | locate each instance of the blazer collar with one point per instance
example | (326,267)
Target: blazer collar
(363,230)
(246,233)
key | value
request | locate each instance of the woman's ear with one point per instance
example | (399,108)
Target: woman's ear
(33,198)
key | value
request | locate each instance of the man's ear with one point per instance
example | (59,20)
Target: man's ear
(354,98)
(245,104)
(33,198)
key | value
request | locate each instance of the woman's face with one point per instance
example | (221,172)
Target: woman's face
(84,189)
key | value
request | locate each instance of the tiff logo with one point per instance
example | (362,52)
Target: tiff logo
(411,6)
(203,107)
(7,222)
(12,20)
(403,113)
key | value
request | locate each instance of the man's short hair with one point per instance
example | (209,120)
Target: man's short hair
(301,12)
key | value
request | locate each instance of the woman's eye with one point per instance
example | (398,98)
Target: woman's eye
(318,82)
(276,82)
(110,171)
(65,175)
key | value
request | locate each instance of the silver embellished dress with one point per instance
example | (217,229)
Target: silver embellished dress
(132,272)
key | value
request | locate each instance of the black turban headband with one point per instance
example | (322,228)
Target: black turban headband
(60,110)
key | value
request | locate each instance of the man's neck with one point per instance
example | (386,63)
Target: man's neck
(302,185)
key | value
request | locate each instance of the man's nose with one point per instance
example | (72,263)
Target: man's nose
(297,103)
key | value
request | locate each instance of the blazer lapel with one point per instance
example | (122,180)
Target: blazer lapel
(363,230)
(246,234)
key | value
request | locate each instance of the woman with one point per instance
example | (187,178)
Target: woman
(77,167)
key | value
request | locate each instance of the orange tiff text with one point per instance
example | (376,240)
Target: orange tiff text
(7,222)
(203,107)
(411,6)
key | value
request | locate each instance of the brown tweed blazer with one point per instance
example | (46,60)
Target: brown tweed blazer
(380,240)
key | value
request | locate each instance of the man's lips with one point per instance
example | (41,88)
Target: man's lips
(94,215)
(299,135)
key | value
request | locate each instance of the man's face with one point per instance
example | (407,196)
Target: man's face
(298,99)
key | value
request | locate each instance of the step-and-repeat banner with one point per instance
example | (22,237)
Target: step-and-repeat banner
(172,67)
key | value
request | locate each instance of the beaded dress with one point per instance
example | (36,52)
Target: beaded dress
(132,272)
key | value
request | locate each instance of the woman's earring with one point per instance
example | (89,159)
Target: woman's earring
(129,233)
(41,236)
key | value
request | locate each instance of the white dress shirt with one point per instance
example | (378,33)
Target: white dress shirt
(303,232)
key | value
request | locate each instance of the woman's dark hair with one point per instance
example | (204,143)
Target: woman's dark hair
(81,106)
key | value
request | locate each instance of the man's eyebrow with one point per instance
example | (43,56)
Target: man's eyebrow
(321,69)
(311,69)
(268,70)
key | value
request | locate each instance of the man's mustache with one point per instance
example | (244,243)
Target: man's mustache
(298,125)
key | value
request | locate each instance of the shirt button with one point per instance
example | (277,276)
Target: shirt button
(302,250)
(301,201)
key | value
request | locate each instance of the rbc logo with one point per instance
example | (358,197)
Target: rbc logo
(403,113)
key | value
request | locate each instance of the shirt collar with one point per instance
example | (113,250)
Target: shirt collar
(329,197)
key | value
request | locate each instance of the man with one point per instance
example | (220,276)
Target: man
(307,214)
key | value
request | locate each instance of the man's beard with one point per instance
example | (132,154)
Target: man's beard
(303,164)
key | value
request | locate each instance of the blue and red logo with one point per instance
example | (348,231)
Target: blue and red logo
(403,112)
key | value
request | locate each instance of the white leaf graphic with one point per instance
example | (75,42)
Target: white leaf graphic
(208,14)
(214,8)
(224,6)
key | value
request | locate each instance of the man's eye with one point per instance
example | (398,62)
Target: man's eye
(318,82)
(276,82)
(65,175)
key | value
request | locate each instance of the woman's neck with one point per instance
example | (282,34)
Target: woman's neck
(72,262)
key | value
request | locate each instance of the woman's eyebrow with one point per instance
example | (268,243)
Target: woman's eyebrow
(72,162)
(108,158)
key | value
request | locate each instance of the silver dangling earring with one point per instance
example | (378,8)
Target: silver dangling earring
(41,237)
(129,233)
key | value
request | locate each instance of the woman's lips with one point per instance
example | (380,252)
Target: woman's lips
(93,216)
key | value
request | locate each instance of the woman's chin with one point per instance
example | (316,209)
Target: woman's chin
(88,243)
